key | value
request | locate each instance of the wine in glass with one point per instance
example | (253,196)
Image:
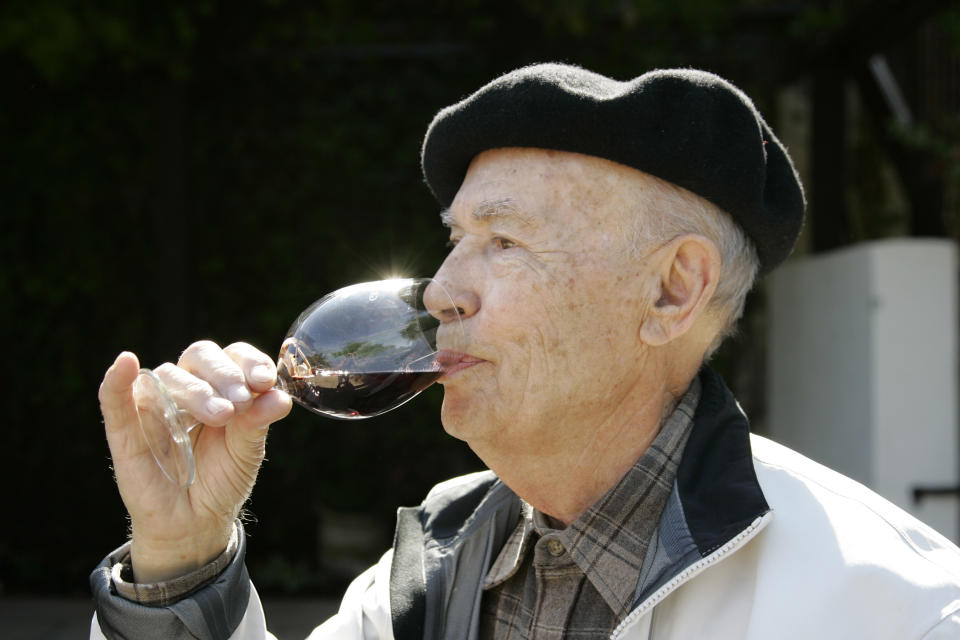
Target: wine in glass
(353,354)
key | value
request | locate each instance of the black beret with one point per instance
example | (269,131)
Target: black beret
(691,128)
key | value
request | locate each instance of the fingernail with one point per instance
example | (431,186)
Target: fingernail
(261,373)
(239,393)
(217,406)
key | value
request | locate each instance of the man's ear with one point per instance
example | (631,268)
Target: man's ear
(688,272)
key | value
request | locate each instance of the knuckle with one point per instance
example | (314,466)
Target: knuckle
(166,369)
(199,387)
(200,347)
(231,375)
(240,351)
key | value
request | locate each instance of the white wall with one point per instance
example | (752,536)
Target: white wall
(862,369)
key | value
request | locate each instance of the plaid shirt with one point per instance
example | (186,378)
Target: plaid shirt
(580,582)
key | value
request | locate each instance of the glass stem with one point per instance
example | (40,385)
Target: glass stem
(187,420)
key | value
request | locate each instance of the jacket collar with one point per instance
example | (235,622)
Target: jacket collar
(716,495)
(462,524)
(716,483)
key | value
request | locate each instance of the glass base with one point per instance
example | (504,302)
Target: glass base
(163,429)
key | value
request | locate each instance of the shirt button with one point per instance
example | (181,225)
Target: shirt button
(555,547)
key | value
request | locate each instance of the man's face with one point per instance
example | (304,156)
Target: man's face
(551,298)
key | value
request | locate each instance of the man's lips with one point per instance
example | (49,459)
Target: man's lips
(453,361)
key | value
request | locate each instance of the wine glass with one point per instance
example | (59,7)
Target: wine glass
(353,354)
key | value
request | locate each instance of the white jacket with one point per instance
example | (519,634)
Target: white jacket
(827,559)
(806,570)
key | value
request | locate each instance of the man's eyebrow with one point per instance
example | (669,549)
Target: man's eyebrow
(446,217)
(490,210)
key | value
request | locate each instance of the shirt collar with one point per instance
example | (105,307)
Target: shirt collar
(608,542)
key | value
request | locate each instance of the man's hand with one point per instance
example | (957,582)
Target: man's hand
(229,391)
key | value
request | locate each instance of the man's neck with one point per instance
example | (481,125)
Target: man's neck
(564,481)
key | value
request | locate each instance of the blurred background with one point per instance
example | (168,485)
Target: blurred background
(187,169)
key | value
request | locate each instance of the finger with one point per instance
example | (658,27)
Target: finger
(208,362)
(269,407)
(121,419)
(116,393)
(195,395)
(259,370)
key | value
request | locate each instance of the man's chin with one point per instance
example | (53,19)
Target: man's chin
(452,418)
(461,417)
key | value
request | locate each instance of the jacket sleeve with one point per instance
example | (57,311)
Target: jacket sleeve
(252,626)
(230,609)
(364,613)
(226,609)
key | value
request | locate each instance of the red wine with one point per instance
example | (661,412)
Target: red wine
(355,395)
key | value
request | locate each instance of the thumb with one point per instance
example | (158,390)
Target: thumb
(116,392)
(118,407)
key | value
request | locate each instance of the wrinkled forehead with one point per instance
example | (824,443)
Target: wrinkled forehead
(526,185)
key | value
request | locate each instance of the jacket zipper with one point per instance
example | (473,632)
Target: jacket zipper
(732,545)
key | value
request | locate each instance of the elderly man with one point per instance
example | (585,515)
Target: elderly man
(604,236)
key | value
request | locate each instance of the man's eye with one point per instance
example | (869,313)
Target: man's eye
(503,243)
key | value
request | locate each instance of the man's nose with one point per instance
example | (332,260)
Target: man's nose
(447,302)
